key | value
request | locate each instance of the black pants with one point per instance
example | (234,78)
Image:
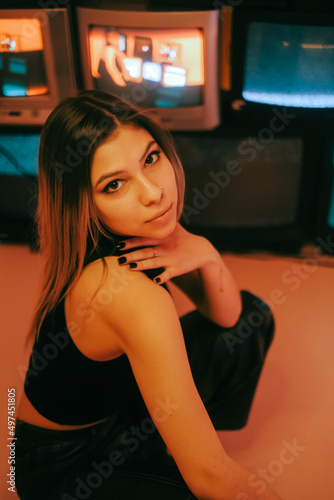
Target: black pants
(125,458)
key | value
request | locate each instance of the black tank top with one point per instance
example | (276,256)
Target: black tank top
(64,385)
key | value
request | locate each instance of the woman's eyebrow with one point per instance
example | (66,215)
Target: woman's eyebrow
(107,175)
(149,145)
(118,172)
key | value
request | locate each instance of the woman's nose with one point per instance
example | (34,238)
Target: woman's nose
(150,192)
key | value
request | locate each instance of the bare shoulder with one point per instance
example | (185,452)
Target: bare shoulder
(135,300)
(107,303)
(109,284)
(100,276)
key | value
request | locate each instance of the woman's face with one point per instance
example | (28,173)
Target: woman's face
(127,174)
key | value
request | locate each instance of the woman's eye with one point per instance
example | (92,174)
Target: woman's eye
(113,186)
(153,157)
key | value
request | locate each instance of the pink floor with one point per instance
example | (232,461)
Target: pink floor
(289,440)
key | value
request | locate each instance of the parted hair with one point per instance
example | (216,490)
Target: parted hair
(69,228)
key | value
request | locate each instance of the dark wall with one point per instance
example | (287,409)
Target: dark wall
(325,6)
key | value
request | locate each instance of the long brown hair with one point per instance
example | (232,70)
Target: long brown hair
(68,224)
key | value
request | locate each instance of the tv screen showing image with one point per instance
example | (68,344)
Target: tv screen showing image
(289,65)
(22,68)
(168,62)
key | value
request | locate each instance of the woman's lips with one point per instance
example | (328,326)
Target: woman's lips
(160,214)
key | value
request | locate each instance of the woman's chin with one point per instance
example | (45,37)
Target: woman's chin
(163,231)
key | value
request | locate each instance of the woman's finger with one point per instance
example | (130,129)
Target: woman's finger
(145,265)
(137,242)
(148,255)
(164,277)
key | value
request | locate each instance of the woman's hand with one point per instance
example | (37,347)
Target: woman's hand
(180,253)
(195,267)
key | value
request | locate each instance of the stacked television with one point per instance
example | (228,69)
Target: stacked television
(278,74)
(36,72)
(247,95)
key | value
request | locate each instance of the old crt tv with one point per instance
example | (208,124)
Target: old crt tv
(280,59)
(36,64)
(242,193)
(165,61)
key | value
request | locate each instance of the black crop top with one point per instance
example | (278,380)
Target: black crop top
(68,388)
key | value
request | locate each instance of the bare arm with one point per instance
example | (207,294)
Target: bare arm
(212,288)
(156,346)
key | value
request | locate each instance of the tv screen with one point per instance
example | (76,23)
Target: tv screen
(18,183)
(164,61)
(19,153)
(289,65)
(22,68)
(277,63)
(169,63)
(260,192)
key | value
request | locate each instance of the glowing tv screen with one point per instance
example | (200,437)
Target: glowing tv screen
(19,153)
(289,65)
(22,68)
(168,62)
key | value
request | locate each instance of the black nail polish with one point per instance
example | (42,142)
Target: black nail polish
(122,260)
(157,280)
(120,245)
(133,265)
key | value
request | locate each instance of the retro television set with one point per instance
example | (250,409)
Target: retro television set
(275,59)
(18,182)
(165,61)
(243,194)
(36,64)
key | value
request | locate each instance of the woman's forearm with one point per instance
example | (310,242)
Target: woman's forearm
(221,300)
(213,289)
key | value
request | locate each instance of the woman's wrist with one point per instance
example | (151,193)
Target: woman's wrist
(212,264)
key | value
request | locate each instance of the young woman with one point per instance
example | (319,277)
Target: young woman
(122,398)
